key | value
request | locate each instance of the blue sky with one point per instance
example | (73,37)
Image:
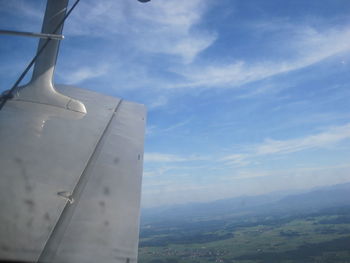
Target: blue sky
(243,97)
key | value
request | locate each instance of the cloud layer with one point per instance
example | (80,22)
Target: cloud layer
(329,137)
(165,27)
(306,46)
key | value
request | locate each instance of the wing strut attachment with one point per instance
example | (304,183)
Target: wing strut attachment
(41,89)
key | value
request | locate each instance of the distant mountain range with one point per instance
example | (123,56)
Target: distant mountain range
(267,204)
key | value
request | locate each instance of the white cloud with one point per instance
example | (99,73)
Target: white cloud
(161,157)
(241,183)
(236,159)
(159,171)
(176,125)
(303,49)
(188,47)
(326,138)
(83,73)
(329,137)
(150,129)
(169,27)
(159,27)
(158,102)
(22,15)
(154,130)
(244,179)
(170,158)
(24,9)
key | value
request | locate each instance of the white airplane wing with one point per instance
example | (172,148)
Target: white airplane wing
(70,181)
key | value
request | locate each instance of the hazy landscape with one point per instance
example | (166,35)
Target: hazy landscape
(309,226)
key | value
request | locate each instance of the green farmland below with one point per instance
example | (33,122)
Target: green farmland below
(304,227)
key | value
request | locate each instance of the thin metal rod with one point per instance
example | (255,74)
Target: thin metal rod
(31,34)
(9,94)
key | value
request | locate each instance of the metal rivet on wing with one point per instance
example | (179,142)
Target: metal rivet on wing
(66,195)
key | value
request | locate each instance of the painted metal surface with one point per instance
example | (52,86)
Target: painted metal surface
(40,89)
(47,154)
(104,219)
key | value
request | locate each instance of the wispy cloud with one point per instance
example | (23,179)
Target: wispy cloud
(75,76)
(171,28)
(158,102)
(329,137)
(241,182)
(170,158)
(170,170)
(236,159)
(161,157)
(24,9)
(308,47)
(175,28)
(176,125)
(152,130)
(159,27)
(326,138)
(20,15)
(156,172)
